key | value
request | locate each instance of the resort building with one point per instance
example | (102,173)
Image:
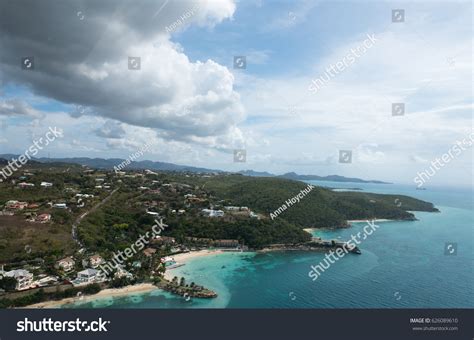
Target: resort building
(226,243)
(163,240)
(168,261)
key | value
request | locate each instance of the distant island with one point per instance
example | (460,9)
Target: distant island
(295,176)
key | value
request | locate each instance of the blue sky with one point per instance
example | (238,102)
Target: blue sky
(196,109)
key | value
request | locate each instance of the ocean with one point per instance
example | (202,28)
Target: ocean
(403,265)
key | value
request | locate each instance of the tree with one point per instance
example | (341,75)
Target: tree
(182,282)
(8,283)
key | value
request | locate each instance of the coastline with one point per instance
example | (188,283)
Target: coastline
(310,230)
(375,220)
(109,292)
(182,258)
(138,288)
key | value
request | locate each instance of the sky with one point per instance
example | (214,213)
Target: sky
(194,105)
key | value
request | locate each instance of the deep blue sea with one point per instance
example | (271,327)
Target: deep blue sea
(403,265)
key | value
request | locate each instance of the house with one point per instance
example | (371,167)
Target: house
(33,206)
(66,264)
(60,205)
(46,184)
(163,240)
(122,273)
(87,276)
(149,252)
(84,195)
(253,215)
(226,243)
(212,213)
(233,208)
(199,240)
(16,205)
(95,261)
(43,218)
(136,264)
(152,213)
(24,278)
(24,185)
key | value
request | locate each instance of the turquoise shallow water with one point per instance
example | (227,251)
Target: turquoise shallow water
(402,265)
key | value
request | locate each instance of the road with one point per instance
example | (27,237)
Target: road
(81,217)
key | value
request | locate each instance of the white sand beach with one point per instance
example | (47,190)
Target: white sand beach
(184,257)
(110,292)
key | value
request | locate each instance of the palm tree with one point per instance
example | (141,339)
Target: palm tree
(182,282)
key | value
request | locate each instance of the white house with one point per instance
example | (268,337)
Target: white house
(23,278)
(60,205)
(212,213)
(88,275)
(46,184)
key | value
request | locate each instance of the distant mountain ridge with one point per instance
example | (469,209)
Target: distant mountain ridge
(333,178)
(101,163)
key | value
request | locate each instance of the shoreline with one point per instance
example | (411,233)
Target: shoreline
(310,230)
(182,258)
(375,220)
(106,293)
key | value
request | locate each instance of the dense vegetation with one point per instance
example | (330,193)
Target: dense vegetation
(41,295)
(119,222)
(320,208)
